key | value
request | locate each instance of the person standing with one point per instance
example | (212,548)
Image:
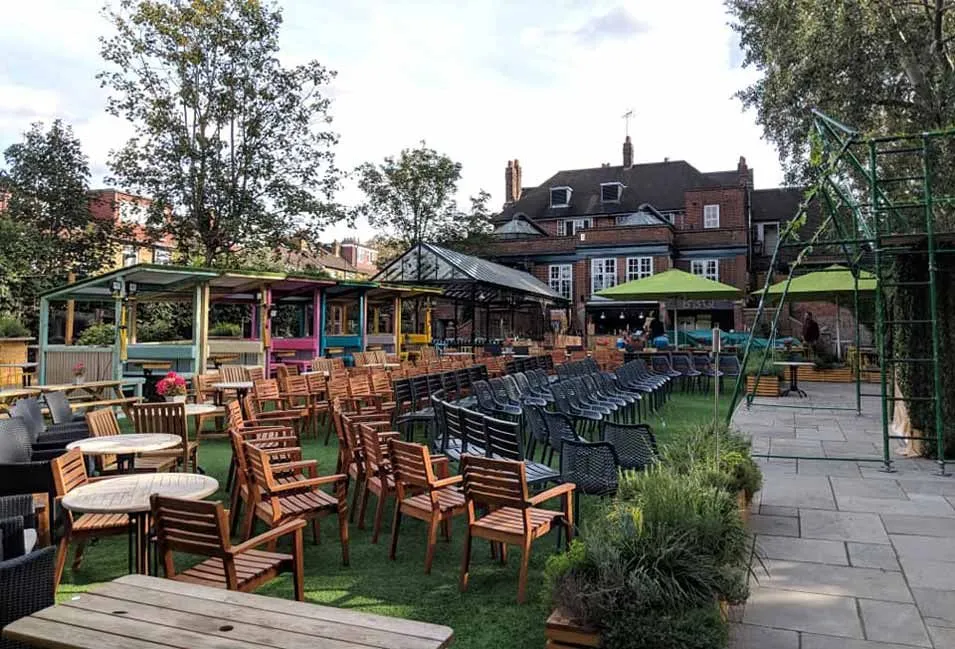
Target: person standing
(810,334)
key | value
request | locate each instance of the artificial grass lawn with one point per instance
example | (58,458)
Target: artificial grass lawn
(487,615)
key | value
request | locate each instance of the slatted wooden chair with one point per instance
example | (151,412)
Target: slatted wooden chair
(69,472)
(425,492)
(378,476)
(276,501)
(255,374)
(103,423)
(513,517)
(267,393)
(168,419)
(279,443)
(381,384)
(351,458)
(233,374)
(298,396)
(205,394)
(201,528)
(293,417)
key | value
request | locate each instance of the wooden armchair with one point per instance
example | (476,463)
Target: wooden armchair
(69,472)
(350,452)
(513,516)
(378,476)
(275,501)
(201,528)
(168,419)
(425,492)
(103,423)
(254,374)
(294,417)
(280,443)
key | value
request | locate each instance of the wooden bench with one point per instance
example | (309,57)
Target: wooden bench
(124,401)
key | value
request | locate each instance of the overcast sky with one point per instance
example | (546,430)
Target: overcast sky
(544,81)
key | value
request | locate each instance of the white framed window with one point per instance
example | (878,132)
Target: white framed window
(562,279)
(711,216)
(162,256)
(560,196)
(570,227)
(639,267)
(610,192)
(767,236)
(603,273)
(130,255)
(708,268)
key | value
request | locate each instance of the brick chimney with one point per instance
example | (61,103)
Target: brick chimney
(627,153)
(742,172)
(512,182)
(336,248)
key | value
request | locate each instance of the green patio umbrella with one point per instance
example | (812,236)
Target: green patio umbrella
(670,285)
(826,285)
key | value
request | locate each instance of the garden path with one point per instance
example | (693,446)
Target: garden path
(856,558)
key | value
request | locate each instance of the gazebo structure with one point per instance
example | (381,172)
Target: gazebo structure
(471,283)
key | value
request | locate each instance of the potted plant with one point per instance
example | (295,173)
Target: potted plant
(79,373)
(172,387)
(769,376)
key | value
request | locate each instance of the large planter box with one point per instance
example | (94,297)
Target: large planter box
(564,633)
(835,375)
(768,386)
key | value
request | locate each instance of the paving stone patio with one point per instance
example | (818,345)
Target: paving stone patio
(852,557)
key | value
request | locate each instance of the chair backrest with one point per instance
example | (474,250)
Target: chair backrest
(336,388)
(234,418)
(503,439)
(380,383)
(680,362)
(260,468)
(29,411)
(316,383)
(374,446)
(559,428)
(475,434)
(281,373)
(195,527)
(69,472)
(255,374)
(635,444)
(103,423)
(493,482)
(411,464)
(729,365)
(266,389)
(203,386)
(59,407)
(359,386)
(232,373)
(14,441)
(295,384)
(164,418)
(536,423)
(591,466)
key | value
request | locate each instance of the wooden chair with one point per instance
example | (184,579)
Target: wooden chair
(381,384)
(277,501)
(204,394)
(168,419)
(69,472)
(513,516)
(294,417)
(103,423)
(232,374)
(425,492)
(201,528)
(350,452)
(378,477)
(266,392)
(255,374)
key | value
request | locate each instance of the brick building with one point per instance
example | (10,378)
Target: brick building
(363,258)
(131,210)
(587,229)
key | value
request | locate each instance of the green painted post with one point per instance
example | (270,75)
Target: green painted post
(44,337)
(933,305)
(879,307)
(117,339)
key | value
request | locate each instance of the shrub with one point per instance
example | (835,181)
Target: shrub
(228,329)
(649,570)
(755,359)
(10,327)
(696,453)
(98,334)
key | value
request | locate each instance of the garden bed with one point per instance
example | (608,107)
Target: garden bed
(768,385)
(564,633)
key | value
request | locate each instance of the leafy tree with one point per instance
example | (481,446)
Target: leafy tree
(410,197)
(469,232)
(47,229)
(232,146)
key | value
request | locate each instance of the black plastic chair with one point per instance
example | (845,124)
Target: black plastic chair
(18,525)
(26,586)
(23,469)
(684,365)
(60,411)
(41,435)
(591,466)
(560,427)
(504,443)
(635,445)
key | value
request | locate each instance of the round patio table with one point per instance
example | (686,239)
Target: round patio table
(129,494)
(125,447)
(794,376)
(241,389)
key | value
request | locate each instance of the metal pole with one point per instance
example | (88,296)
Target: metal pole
(879,311)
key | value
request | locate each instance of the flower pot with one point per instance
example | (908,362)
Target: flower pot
(179,398)
(564,633)
(79,379)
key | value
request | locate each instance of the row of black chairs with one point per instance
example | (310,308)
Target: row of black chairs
(412,395)
(543,362)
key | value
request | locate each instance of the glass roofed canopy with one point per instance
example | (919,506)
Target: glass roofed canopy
(465,277)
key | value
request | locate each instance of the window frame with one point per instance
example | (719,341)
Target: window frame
(130,252)
(605,273)
(761,234)
(618,185)
(165,251)
(705,268)
(639,273)
(586,222)
(568,192)
(557,284)
(707,224)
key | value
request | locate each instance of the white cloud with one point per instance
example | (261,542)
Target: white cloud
(483,81)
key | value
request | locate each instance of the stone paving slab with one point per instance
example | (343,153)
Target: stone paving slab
(800,611)
(836,580)
(774,525)
(924,547)
(828,468)
(871,555)
(798,491)
(796,549)
(893,622)
(919,525)
(943,638)
(937,606)
(916,505)
(747,636)
(859,488)
(922,573)
(811,641)
(842,526)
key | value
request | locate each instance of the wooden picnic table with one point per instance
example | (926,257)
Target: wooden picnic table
(11,395)
(129,494)
(27,370)
(138,612)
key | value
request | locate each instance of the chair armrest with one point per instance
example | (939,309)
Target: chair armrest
(300,464)
(275,533)
(553,492)
(292,451)
(447,482)
(310,482)
(442,465)
(275,440)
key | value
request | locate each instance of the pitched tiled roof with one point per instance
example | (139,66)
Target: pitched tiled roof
(661,184)
(777,204)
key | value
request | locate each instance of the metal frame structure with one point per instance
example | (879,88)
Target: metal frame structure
(880,198)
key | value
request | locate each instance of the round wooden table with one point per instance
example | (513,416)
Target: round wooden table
(129,494)
(241,389)
(125,447)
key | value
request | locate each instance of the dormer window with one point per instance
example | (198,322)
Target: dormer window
(560,196)
(610,192)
